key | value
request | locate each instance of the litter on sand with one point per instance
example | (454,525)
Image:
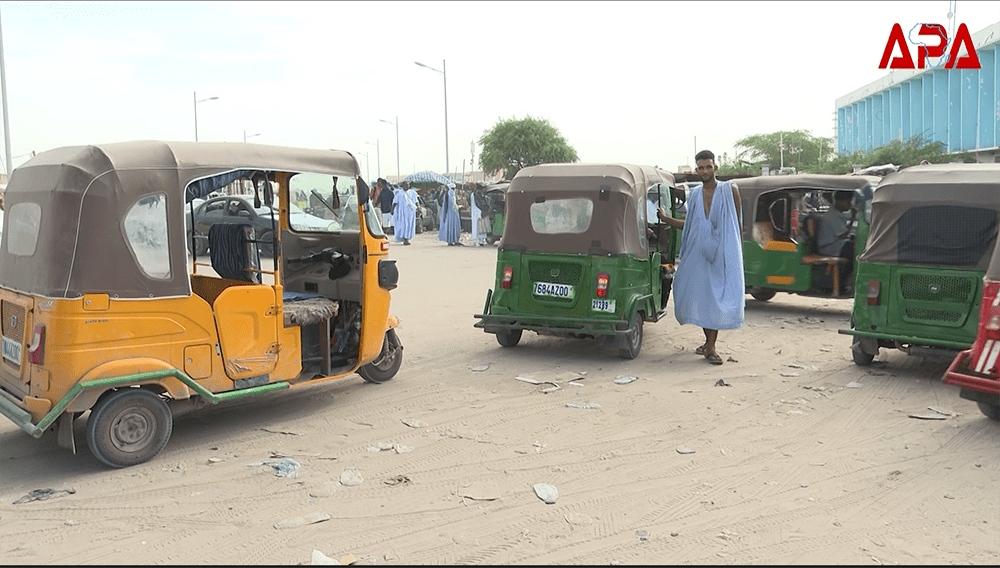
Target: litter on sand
(684,450)
(582,405)
(43,494)
(546,492)
(413,422)
(309,519)
(285,467)
(928,416)
(479,368)
(351,476)
(625,380)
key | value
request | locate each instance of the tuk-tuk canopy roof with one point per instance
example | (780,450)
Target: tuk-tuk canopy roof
(617,191)
(83,194)
(753,187)
(937,214)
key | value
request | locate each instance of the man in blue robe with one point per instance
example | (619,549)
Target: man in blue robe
(451,224)
(404,213)
(709,287)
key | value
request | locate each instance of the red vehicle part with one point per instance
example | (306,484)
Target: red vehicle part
(977,369)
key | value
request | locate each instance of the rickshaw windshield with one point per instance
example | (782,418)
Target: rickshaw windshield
(330,198)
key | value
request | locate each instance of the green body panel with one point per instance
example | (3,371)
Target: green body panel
(634,284)
(497,229)
(919,304)
(758,264)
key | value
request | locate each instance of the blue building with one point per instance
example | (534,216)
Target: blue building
(958,107)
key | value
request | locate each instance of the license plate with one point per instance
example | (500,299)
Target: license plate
(603,306)
(550,289)
(12,350)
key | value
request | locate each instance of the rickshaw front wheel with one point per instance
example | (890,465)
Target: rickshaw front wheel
(991,411)
(128,427)
(763,294)
(632,342)
(508,337)
(388,362)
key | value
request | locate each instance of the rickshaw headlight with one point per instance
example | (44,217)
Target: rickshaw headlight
(508,275)
(602,285)
(874,290)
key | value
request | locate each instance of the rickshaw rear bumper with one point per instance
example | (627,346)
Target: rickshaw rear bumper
(555,325)
(975,386)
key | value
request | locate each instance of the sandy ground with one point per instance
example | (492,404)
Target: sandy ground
(790,464)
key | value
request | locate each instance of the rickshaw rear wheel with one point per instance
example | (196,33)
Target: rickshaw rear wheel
(128,427)
(763,294)
(508,337)
(861,357)
(632,342)
(388,362)
(991,411)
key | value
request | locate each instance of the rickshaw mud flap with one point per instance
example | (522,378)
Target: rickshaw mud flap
(953,345)
(493,324)
(957,375)
(23,419)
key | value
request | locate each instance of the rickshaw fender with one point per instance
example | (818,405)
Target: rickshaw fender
(170,385)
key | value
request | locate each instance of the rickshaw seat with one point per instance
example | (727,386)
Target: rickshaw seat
(832,265)
(233,252)
(307,309)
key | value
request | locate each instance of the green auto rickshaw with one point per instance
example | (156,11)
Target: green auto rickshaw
(576,258)
(781,217)
(919,279)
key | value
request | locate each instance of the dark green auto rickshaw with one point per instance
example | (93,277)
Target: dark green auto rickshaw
(780,225)
(575,259)
(920,276)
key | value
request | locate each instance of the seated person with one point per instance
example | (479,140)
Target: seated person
(833,236)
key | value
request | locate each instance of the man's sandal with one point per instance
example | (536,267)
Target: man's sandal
(700,350)
(713,358)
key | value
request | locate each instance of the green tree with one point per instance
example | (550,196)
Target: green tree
(796,148)
(898,152)
(514,144)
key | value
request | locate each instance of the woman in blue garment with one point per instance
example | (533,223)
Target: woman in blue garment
(451,228)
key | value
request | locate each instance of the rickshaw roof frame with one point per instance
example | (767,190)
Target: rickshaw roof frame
(85,192)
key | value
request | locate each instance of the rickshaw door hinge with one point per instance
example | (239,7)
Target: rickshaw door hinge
(273,310)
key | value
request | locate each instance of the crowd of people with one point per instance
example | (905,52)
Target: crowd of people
(398,207)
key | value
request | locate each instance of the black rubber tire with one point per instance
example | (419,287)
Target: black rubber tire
(763,295)
(388,362)
(509,337)
(128,427)
(861,358)
(631,344)
(991,411)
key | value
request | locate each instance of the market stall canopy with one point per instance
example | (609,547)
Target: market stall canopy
(428,176)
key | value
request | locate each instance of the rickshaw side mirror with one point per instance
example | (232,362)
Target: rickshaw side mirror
(363,191)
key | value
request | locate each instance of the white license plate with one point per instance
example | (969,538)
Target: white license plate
(550,289)
(603,306)
(12,350)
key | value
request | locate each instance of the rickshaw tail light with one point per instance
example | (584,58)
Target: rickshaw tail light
(874,289)
(993,323)
(602,285)
(508,275)
(385,246)
(36,349)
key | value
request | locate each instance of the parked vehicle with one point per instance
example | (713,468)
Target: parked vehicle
(104,311)
(933,229)
(977,369)
(240,209)
(574,260)
(426,217)
(496,200)
(780,224)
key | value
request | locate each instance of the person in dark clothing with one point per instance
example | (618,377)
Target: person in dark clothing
(385,198)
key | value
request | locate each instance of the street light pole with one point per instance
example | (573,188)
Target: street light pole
(196,101)
(444,74)
(368,167)
(378,158)
(245,136)
(6,123)
(398,176)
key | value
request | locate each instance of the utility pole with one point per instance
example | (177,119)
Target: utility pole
(6,122)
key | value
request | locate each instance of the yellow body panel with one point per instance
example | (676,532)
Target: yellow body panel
(246,318)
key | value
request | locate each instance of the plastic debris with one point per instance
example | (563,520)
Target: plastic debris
(479,368)
(481,491)
(643,535)
(718,383)
(285,467)
(684,450)
(853,385)
(351,476)
(582,405)
(413,422)
(946,412)
(388,446)
(546,492)
(320,559)
(625,380)
(317,517)
(928,416)
(43,494)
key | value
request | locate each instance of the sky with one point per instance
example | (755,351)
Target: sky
(637,82)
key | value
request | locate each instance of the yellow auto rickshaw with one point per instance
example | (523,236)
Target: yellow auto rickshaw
(105,310)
